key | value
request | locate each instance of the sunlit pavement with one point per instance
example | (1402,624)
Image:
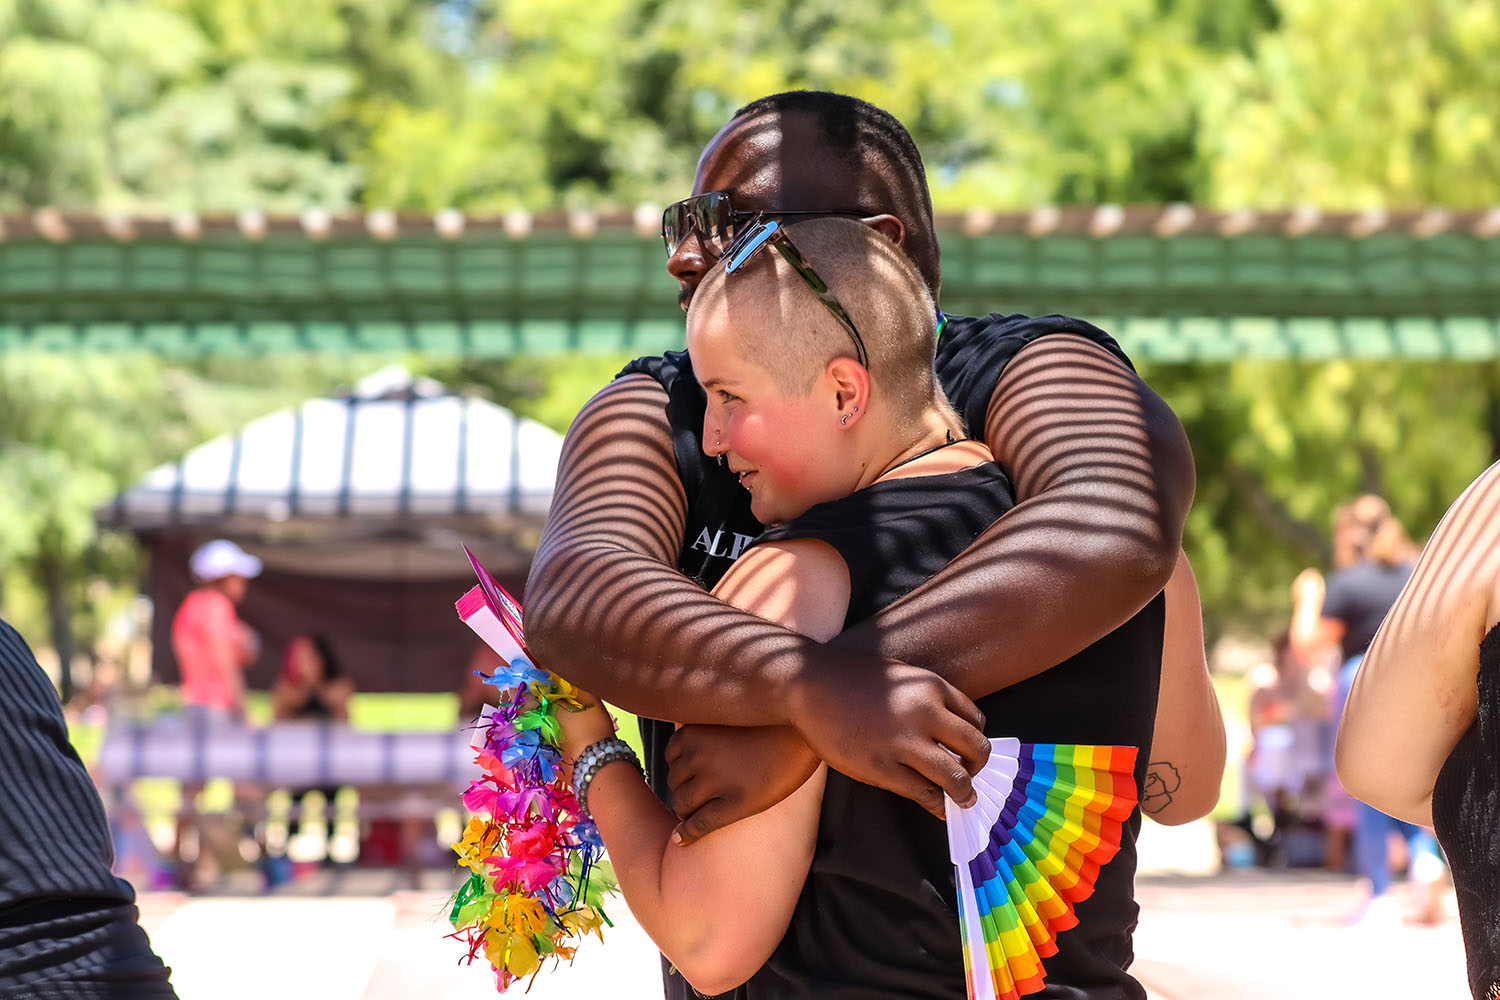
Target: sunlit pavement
(359,936)
(1283,936)
(369,942)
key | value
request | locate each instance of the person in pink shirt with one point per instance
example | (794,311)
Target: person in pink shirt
(212,645)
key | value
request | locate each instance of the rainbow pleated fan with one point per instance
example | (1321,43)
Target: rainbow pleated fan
(1049,816)
(537,875)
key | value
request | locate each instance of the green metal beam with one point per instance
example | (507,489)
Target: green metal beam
(1201,293)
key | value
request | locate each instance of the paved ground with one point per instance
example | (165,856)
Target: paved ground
(1268,935)
(361,936)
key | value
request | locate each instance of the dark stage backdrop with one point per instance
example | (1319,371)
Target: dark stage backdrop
(388,634)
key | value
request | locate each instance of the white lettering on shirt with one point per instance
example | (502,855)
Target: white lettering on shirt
(720,546)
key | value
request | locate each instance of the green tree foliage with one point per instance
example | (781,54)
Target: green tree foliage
(74,431)
(490,105)
(1012,104)
(1350,106)
(208,105)
(1279,445)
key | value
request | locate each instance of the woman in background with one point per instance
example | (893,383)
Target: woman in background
(311,685)
(1420,737)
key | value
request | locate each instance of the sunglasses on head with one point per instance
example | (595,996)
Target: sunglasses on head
(715,219)
(768,232)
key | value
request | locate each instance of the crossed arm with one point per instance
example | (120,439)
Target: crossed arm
(1415,693)
(719,773)
(1105,479)
(1187,747)
(718,908)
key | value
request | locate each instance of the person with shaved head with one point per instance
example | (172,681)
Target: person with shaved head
(644,523)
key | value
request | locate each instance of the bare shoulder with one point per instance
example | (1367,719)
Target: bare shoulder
(801,583)
(1065,407)
(1461,562)
(1065,370)
(1451,599)
(1067,348)
(638,400)
(1475,515)
(617,477)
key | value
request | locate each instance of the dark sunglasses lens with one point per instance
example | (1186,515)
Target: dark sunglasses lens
(720,231)
(710,214)
(671,226)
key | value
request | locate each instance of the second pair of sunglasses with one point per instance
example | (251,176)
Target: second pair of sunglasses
(765,232)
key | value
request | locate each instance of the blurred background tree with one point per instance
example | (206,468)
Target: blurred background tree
(76,430)
(158,106)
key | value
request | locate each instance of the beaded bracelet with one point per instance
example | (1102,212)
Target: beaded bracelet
(593,758)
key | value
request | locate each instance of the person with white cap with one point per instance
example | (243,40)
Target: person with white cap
(212,645)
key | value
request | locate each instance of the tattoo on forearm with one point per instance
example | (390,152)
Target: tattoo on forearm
(1162,779)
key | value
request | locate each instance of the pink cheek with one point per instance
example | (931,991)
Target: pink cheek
(788,477)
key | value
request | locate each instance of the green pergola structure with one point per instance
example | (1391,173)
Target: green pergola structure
(1171,282)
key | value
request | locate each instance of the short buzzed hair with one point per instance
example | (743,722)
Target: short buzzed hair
(782,327)
(865,137)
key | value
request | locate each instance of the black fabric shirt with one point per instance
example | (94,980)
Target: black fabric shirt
(1466,817)
(972,353)
(68,927)
(877,917)
(1360,597)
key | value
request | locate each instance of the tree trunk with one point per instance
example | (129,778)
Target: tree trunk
(60,616)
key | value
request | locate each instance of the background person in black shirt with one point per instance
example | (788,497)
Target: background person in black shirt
(68,927)
(1348,612)
(1100,465)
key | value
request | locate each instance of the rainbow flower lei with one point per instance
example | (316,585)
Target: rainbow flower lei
(537,872)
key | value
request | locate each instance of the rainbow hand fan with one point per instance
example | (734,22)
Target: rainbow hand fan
(1048,818)
(537,878)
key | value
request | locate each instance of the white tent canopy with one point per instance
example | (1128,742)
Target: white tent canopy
(397,457)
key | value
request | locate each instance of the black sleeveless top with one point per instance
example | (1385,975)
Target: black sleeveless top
(1124,666)
(68,926)
(1466,816)
(972,352)
(877,917)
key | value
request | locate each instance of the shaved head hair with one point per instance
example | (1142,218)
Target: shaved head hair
(872,142)
(782,327)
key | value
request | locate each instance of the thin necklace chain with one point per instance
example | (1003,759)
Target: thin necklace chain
(951,440)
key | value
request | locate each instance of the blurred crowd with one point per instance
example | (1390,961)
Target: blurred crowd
(284,833)
(1294,813)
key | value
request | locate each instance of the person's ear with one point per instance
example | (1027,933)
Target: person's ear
(888,226)
(850,384)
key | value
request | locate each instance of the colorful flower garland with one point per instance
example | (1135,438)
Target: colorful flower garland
(537,874)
